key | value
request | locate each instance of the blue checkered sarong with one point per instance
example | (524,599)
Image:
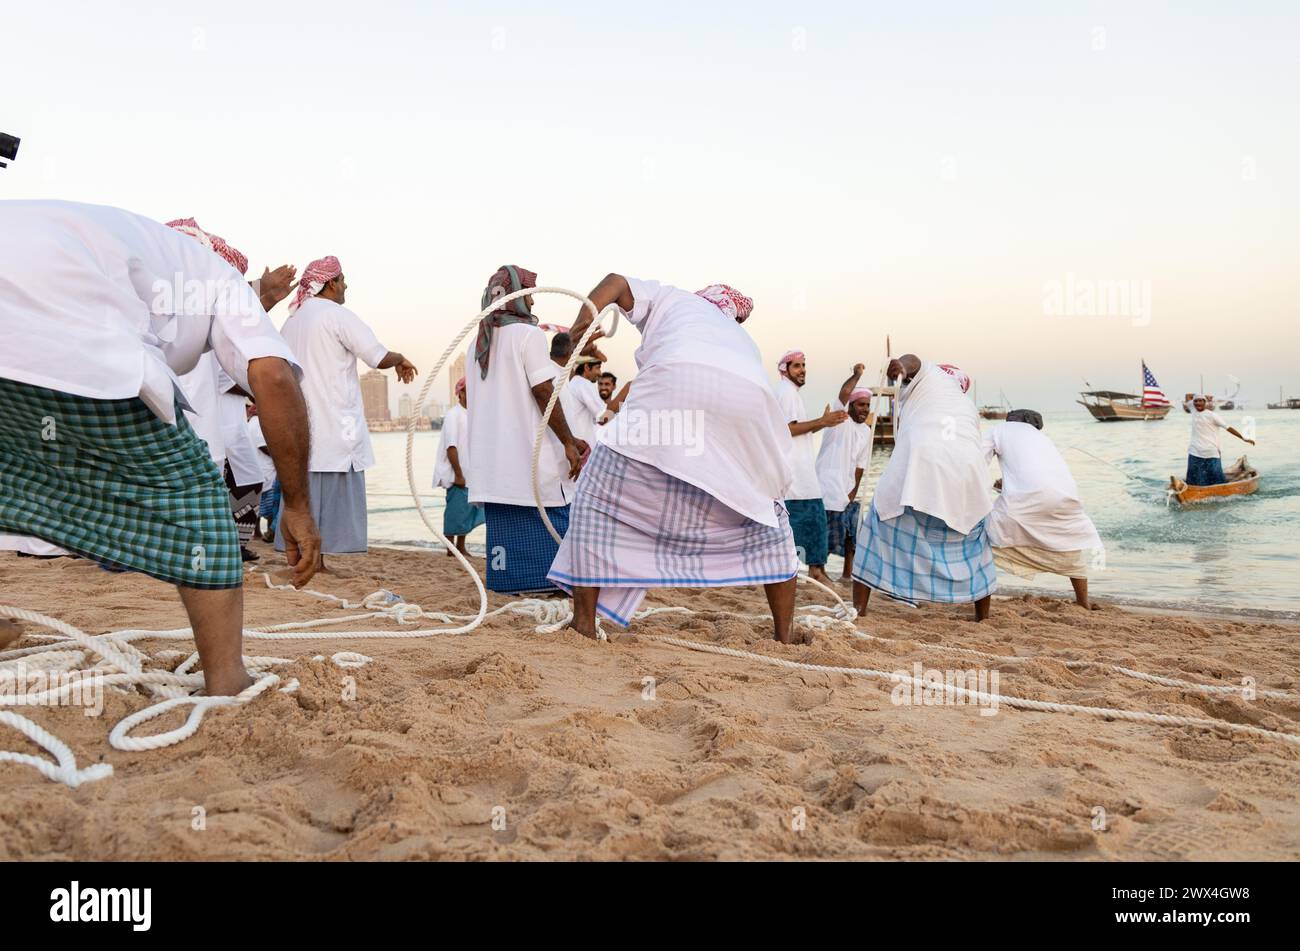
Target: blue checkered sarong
(635,527)
(110,481)
(842,527)
(519,548)
(808,523)
(459,517)
(917,557)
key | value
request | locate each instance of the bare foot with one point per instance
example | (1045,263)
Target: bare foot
(589,633)
(9,632)
(227,686)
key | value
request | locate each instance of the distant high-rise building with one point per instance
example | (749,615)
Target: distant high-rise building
(374,395)
(404,406)
(455,373)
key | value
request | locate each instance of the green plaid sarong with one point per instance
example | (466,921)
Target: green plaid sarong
(109,480)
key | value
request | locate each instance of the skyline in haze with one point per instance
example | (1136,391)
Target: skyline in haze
(976,184)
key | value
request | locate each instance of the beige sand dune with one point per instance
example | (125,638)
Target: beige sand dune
(506,744)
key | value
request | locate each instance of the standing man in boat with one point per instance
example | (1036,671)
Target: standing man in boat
(1204,460)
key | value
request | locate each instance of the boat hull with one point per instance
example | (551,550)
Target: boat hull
(1242,480)
(1119,412)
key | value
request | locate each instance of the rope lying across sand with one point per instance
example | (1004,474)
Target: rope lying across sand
(121,665)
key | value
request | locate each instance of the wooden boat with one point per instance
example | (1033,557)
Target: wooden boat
(1108,406)
(882,405)
(1243,479)
(1283,402)
(991,412)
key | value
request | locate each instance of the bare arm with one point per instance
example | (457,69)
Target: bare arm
(454,458)
(406,370)
(1240,436)
(851,383)
(275,286)
(829,417)
(573,448)
(614,289)
(284,425)
(857,481)
(617,402)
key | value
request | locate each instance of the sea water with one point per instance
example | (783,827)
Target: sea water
(1240,555)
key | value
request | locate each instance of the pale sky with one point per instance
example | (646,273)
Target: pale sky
(925,170)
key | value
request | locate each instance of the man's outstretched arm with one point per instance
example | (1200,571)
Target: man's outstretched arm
(284,425)
(614,289)
(851,384)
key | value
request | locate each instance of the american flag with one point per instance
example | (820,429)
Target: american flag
(1152,395)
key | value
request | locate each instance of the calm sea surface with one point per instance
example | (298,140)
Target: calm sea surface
(1241,555)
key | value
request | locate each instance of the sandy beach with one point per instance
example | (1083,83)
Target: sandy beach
(507,744)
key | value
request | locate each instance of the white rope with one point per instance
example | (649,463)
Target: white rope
(1220,689)
(989,699)
(565,376)
(121,665)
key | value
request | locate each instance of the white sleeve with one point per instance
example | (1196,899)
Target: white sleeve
(786,399)
(355,334)
(538,366)
(452,435)
(863,460)
(989,443)
(645,294)
(591,400)
(236,342)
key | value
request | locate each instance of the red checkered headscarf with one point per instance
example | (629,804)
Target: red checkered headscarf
(212,242)
(783,364)
(728,300)
(958,374)
(319,273)
(508,279)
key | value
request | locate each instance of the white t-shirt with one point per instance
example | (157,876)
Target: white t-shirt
(258,439)
(803,457)
(845,449)
(1039,505)
(328,339)
(702,410)
(201,391)
(503,420)
(1205,434)
(455,430)
(582,407)
(100,302)
(241,454)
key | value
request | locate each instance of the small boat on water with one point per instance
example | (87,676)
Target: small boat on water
(995,412)
(1213,402)
(1283,402)
(1243,479)
(1109,406)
